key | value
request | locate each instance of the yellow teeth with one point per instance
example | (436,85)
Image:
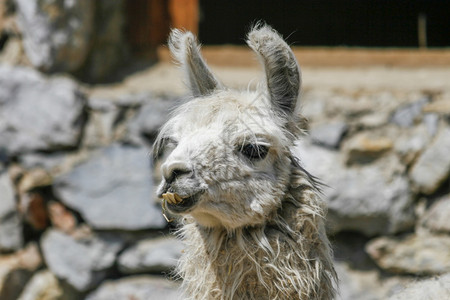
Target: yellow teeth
(172,198)
(177,197)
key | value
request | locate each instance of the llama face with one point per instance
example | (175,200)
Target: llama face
(225,153)
(225,156)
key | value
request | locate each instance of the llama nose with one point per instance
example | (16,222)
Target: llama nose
(174,169)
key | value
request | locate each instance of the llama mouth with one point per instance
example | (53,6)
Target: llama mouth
(177,204)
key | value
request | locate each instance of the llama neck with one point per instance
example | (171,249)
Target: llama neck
(283,259)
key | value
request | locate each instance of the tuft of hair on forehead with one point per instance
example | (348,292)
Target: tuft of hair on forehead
(232,113)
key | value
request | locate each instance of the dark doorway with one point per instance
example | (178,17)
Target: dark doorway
(375,23)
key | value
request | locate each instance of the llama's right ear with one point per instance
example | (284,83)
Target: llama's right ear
(282,71)
(186,51)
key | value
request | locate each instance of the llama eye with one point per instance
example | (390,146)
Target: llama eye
(254,151)
(164,146)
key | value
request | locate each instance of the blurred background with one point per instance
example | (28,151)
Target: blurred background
(85,85)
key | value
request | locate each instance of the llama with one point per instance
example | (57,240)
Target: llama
(250,215)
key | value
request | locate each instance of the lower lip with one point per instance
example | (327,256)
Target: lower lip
(183,206)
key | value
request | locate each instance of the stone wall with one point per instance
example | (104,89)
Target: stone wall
(78,218)
(77,207)
(84,37)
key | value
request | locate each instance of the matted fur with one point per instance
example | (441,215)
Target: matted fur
(256,230)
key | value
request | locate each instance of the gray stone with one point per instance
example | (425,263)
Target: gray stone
(437,218)
(150,117)
(365,284)
(329,135)
(99,129)
(371,199)
(405,115)
(364,148)
(431,288)
(365,201)
(137,288)
(47,161)
(10,224)
(38,114)
(82,261)
(409,144)
(56,34)
(414,254)
(152,255)
(432,122)
(101,104)
(433,166)
(113,190)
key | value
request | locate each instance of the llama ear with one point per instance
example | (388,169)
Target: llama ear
(282,71)
(186,51)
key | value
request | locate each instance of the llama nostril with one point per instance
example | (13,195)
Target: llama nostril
(174,170)
(175,174)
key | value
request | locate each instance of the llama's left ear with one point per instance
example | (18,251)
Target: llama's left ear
(186,51)
(282,71)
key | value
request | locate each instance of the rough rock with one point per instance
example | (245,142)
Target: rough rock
(42,286)
(362,148)
(405,115)
(83,260)
(433,166)
(121,195)
(152,255)
(365,201)
(151,117)
(410,144)
(370,199)
(105,115)
(374,120)
(10,225)
(16,269)
(48,161)
(99,129)
(34,179)
(431,121)
(137,288)
(441,107)
(414,254)
(57,34)
(329,135)
(433,288)
(437,218)
(53,110)
(365,284)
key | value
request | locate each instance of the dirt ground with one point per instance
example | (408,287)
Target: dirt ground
(336,68)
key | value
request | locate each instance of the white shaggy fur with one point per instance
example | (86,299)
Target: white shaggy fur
(252,220)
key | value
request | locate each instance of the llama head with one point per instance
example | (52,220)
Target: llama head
(225,154)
